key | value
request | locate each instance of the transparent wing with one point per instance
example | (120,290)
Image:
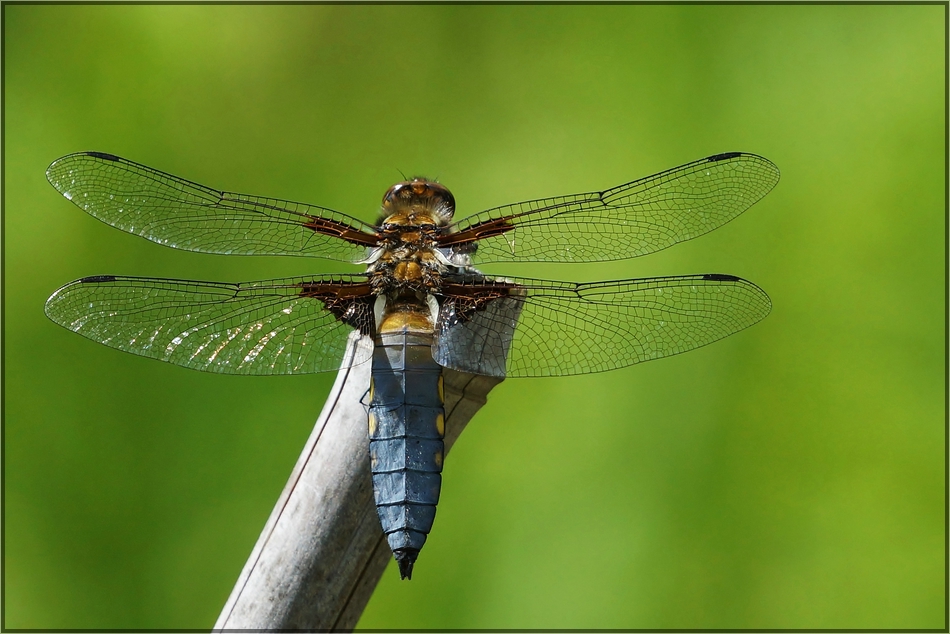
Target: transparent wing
(521,327)
(640,217)
(285,326)
(178,213)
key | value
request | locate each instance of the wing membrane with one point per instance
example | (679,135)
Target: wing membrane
(521,327)
(178,213)
(627,221)
(284,326)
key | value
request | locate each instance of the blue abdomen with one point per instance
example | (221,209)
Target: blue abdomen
(406,426)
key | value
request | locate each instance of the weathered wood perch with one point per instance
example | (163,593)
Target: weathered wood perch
(322,551)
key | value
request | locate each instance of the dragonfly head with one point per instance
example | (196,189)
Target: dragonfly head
(418,198)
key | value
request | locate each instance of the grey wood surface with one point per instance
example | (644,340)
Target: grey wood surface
(322,552)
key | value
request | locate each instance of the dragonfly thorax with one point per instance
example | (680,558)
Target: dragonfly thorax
(408,261)
(407,271)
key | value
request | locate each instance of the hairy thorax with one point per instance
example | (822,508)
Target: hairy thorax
(407,265)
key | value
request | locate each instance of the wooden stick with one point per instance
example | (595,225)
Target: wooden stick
(322,551)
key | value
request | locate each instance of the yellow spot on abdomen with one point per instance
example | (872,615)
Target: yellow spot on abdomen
(440,424)
(372,424)
(406,318)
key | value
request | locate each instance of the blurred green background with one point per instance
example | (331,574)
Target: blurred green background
(791,476)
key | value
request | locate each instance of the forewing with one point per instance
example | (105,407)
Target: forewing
(521,327)
(627,221)
(285,326)
(178,213)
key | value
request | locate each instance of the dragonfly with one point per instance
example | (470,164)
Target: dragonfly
(421,302)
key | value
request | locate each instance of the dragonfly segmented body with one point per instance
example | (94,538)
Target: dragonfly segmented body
(421,301)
